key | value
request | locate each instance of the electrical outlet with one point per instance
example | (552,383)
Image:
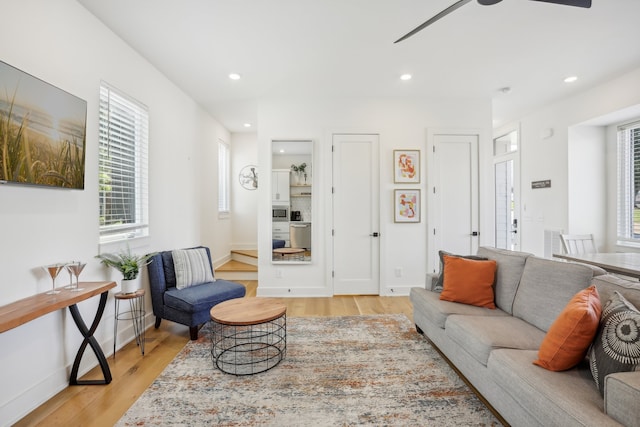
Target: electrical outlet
(398,271)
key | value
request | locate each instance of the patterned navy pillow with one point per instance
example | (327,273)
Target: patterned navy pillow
(617,344)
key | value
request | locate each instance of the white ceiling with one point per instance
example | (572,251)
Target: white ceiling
(344,48)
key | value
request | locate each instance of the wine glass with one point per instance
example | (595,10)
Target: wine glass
(76,268)
(53,270)
(67,266)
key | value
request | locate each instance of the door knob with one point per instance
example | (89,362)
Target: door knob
(475,233)
(374,234)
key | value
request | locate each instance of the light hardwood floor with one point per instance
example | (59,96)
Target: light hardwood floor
(133,373)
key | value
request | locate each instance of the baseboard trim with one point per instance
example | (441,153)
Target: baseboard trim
(293,292)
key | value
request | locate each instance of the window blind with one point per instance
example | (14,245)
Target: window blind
(123,166)
(223,178)
(628,223)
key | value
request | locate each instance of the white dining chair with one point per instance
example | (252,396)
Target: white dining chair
(576,244)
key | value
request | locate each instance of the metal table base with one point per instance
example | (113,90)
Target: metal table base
(249,349)
(135,313)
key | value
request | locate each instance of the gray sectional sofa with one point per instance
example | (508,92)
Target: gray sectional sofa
(495,349)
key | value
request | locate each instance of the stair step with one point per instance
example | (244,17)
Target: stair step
(236,270)
(234,265)
(245,256)
(252,253)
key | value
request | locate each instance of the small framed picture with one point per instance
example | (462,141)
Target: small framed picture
(406,166)
(406,205)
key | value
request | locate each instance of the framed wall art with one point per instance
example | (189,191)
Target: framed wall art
(406,166)
(43,132)
(406,205)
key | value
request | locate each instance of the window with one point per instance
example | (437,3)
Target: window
(506,144)
(629,183)
(223,178)
(123,171)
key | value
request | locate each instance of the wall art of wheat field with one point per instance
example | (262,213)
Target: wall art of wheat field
(42,132)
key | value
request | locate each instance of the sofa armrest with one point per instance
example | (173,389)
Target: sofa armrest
(157,283)
(432,279)
(621,397)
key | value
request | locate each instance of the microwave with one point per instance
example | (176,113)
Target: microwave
(280,213)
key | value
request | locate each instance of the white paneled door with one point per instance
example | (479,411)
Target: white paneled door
(455,209)
(356,234)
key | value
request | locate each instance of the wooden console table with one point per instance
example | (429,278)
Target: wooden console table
(30,308)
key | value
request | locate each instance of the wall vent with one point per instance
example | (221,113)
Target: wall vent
(552,244)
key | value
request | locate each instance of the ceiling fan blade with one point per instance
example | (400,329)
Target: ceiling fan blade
(577,3)
(444,13)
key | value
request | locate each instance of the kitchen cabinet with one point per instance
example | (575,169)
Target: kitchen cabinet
(280,231)
(280,186)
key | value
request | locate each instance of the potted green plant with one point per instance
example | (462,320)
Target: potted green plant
(302,169)
(298,171)
(129,265)
(294,174)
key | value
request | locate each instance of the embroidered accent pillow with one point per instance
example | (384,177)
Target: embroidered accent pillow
(192,267)
(617,344)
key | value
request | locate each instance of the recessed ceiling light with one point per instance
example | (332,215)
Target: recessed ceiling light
(247,125)
(234,76)
(406,77)
(570,79)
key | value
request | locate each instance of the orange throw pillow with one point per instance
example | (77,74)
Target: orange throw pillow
(468,281)
(571,334)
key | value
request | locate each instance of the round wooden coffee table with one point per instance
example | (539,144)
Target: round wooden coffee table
(288,254)
(249,335)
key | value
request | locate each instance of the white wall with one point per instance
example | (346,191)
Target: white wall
(215,231)
(587,178)
(401,123)
(63,44)
(244,203)
(568,164)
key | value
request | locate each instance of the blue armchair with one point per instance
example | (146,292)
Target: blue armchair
(188,305)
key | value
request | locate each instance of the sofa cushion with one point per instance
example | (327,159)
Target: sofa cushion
(508,272)
(571,334)
(438,285)
(617,345)
(468,281)
(430,305)
(202,297)
(567,398)
(608,284)
(545,289)
(621,397)
(192,267)
(480,335)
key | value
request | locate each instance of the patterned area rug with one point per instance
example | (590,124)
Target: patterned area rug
(357,370)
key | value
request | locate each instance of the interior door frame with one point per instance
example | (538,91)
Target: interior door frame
(517,182)
(484,156)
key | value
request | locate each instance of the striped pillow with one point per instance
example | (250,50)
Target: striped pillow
(192,267)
